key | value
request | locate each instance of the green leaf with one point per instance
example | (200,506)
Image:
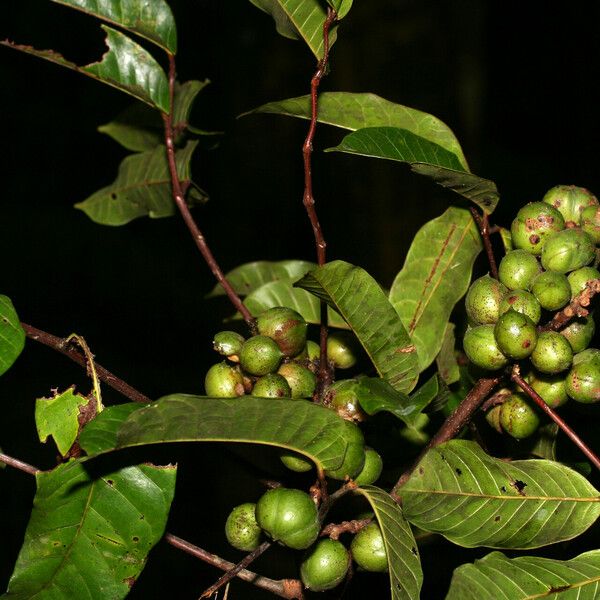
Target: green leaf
(299,19)
(352,111)
(58,417)
(304,427)
(89,538)
(248,277)
(506,237)
(142,188)
(406,575)
(125,66)
(475,500)
(342,7)
(446,357)
(424,157)
(364,306)
(12,336)
(496,577)
(435,275)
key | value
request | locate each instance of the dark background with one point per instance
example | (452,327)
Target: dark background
(516,81)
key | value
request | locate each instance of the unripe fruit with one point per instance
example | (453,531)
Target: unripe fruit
(522,302)
(516,335)
(590,222)
(342,397)
(286,326)
(368,549)
(483,300)
(480,346)
(224,381)
(372,469)
(588,355)
(579,333)
(325,566)
(313,350)
(550,387)
(492,416)
(567,250)
(552,354)
(571,201)
(518,418)
(288,516)
(578,279)
(354,458)
(241,529)
(533,223)
(517,269)
(272,385)
(228,343)
(296,463)
(552,290)
(302,382)
(260,355)
(340,350)
(583,381)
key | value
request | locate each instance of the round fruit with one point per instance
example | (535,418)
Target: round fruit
(354,458)
(325,566)
(342,397)
(533,223)
(483,300)
(224,381)
(552,354)
(567,250)
(241,529)
(302,382)
(288,516)
(340,350)
(260,355)
(518,418)
(517,269)
(579,332)
(571,201)
(578,279)
(368,549)
(516,335)
(492,416)
(583,382)
(590,222)
(480,346)
(552,290)
(372,469)
(550,387)
(588,355)
(286,326)
(272,385)
(522,302)
(295,462)
(228,343)
(313,350)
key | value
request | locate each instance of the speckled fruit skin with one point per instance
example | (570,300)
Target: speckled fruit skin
(567,250)
(516,335)
(342,397)
(286,326)
(552,290)
(296,463)
(224,381)
(517,269)
(340,350)
(590,222)
(272,385)
(553,353)
(325,565)
(368,549)
(483,300)
(522,302)
(241,529)
(579,332)
(579,278)
(228,343)
(288,516)
(550,387)
(518,418)
(570,200)
(481,348)
(533,223)
(302,382)
(372,469)
(260,355)
(583,382)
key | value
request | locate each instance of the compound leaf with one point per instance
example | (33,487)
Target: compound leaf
(12,336)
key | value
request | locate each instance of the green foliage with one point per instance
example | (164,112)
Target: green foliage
(12,336)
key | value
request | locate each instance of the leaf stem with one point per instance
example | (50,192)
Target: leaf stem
(484,229)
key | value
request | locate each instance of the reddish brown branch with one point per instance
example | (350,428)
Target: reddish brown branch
(15,463)
(578,307)
(516,377)
(179,197)
(334,530)
(484,229)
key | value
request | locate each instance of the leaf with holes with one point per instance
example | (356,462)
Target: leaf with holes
(406,575)
(12,336)
(472,499)
(497,577)
(435,275)
(91,534)
(365,307)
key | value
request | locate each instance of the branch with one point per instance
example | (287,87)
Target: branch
(179,197)
(334,530)
(484,229)
(15,463)
(578,307)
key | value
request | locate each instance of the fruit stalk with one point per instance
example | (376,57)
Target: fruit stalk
(484,229)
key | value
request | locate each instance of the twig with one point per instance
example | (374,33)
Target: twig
(516,377)
(484,229)
(334,530)
(578,307)
(179,197)
(15,463)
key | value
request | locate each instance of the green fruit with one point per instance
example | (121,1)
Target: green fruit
(522,302)
(302,382)
(286,326)
(553,353)
(518,418)
(368,549)
(295,462)
(533,223)
(579,332)
(492,416)
(325,566)
(590,222)
(578,279)
(228,343)
(571,201)
(588,355)
(313,350)
(354,456)
(342,396)
(372,468)
(481,348)
(272,385)
(517,269)
(483,300)
(288,516)
(224,381)
(552,290)
(260,355)
(550,387)
(516,335)
(567,250)
(340,349)
(583,381)
(241,529)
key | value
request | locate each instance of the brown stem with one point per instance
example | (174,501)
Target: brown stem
(15,463)
(63,346)
(578,307)
(179,197)
(516,377)
(484,229)
(334,530)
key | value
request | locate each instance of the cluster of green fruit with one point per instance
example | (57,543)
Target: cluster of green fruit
(555,242)
(290,517)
